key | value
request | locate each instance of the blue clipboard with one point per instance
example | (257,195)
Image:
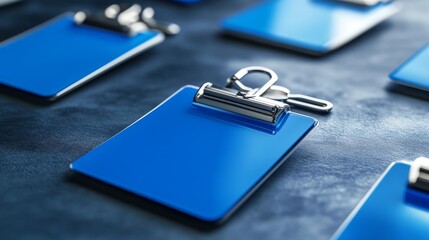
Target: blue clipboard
(390,210)
(414,72)
(190,160)
(56,57)
(195,157)
(310,26)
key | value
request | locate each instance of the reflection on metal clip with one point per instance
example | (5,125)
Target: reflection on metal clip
(126,19)
(267,103)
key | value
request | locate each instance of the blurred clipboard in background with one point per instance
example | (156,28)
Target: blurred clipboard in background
(56,57)
(415,71)
(396,208)
(203,152)
(8,2)
(311,26)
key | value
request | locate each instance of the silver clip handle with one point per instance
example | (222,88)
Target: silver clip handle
(310,103)
(283,94)
(274,92)
(235,80)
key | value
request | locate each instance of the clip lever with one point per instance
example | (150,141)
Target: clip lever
(235,81)
(129,20)
(283,94)
(278,93)
(267,103)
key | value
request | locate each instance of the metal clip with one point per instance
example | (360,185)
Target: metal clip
(419,174)
(243,100)
(267,103)
(129,20)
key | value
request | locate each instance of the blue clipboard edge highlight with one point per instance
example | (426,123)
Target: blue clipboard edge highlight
(364,199)
(404,82)
(199,222)
(159,38)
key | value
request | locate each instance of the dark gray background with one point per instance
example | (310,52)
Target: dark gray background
(307,198)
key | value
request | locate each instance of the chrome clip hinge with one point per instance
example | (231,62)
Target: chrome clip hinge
(419,174)
(267,103)
(129,20)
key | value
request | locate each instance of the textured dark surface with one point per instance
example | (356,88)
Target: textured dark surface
(308,197)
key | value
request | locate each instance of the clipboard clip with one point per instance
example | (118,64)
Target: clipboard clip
(419,174)
(267,103)
(129,20)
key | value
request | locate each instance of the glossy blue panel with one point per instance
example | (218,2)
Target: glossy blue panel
(415,71)
(392,211)
(200,164)
(312,25)
(52,57)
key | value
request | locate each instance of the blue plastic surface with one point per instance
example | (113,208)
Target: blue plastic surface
(57,56)
(198,163)
(415,71)
(314,26)
(390,211)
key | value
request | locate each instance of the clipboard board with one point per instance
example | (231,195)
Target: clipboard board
(66,52)
(314,27)
(396,207)
(203,151)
